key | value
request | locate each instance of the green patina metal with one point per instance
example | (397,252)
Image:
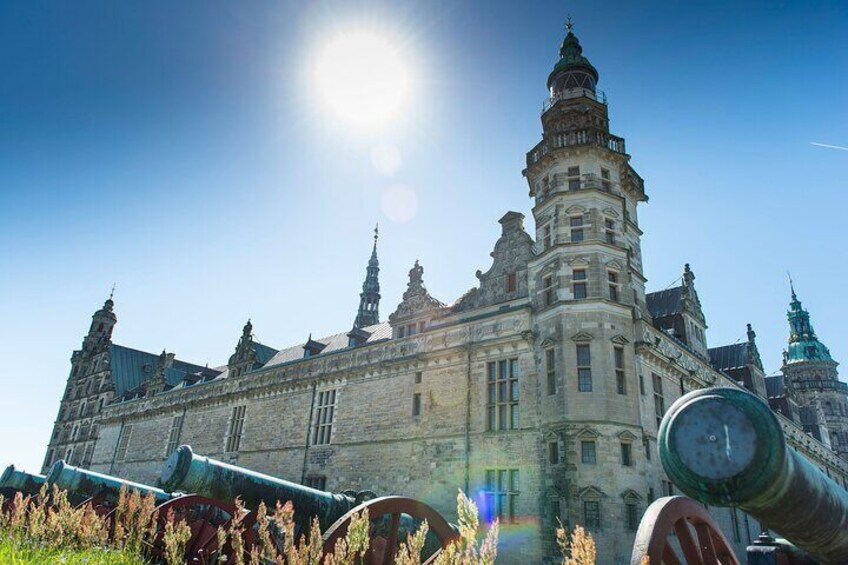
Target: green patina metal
(572,59)
(803,343)
(96,485)
(220,481)
(14,480)
(725,447)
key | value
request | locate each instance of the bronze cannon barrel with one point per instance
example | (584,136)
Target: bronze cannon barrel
(82,481)
(725,447)
(13,480)
(188,472)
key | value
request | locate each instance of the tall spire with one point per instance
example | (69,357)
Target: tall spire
(369,298)
(803,343)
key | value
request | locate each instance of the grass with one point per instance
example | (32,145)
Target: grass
(20,551)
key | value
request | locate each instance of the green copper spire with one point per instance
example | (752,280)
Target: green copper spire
(573,69)
(803,343)
(369,299)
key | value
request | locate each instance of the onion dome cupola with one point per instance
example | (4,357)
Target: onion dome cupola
(573,75)
(803,343)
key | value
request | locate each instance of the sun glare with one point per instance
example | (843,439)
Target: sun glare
(361,76)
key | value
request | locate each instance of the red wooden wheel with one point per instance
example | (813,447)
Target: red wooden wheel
(680,515)
(385,515)
(203,516)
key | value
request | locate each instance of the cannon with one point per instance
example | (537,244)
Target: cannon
(202,515)
(13,480)
(389,516)
(725,447)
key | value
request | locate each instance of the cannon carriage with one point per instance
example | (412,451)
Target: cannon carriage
(725,447)
(213,487)
(391,517)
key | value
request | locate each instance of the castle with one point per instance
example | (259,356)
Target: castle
(539,391)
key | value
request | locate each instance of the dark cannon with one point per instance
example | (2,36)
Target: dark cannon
(202,515)
(389,516)
(13,481)
(725,447)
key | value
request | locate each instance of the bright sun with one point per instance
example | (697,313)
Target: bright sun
(361,76)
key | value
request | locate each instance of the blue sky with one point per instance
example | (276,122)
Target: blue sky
(177,150)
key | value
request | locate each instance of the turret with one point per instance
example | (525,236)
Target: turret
(369,298)
(100,332)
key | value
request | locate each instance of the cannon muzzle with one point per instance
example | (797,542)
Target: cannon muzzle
(14,480)
(97,485)
(217,480)
(725,447)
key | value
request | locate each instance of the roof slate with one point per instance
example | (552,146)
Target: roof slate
(664,302)
(774,386)
(131,368)
(729,357)
(335,342)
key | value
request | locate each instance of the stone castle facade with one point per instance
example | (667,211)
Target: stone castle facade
(539,391)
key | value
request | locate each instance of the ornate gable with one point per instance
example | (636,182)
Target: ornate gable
(416,300)
(506,279)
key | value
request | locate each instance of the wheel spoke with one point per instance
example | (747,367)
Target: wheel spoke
(392,541)
(705,537)
(669,557)
(687,543)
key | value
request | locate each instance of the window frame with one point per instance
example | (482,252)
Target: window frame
(503,394)
(584,367)
(235,429)
(588,452)
(325,414)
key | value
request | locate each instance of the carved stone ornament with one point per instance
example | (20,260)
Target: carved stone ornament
(416,299)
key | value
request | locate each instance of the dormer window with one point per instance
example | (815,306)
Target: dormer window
(313,348)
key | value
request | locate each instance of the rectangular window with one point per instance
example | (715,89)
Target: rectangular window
(588,454)
(631,516)
(236,428)
(89,453)
(511,282)
(418,377)
(576,223)
(591,514)
(647,443)
(610,231)
(626,455)
(642,385)
(553,452)
(651,494)
(620,382)
(502,405)
(550,365)
(323,428)
(578,287)
(174,435)
(606,183)
(612,277)
(659,399)
(416,404)
(501,493)
(584,368)
(547,236)
(123,443)
(318,482)
(573,178)
(548,290)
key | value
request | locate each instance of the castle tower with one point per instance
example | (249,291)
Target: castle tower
(588,296)
(87,390)
(369,298)
(810,372)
